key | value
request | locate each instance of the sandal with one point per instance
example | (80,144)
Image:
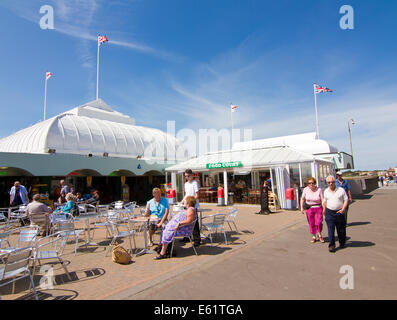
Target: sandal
(321,239)
(313,239)
(160,256)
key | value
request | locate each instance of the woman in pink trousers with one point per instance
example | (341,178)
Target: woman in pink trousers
(311,201)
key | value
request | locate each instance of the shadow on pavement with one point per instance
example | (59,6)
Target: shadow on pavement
(362,196)
(359,244)
(353,224)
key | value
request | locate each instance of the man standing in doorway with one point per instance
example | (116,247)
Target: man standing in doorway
(192,190)
(18,195)
(340,182)
(334,206)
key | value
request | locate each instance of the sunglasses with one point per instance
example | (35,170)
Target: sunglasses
(311,183)
(332,182)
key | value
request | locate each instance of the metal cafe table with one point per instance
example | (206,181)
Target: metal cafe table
(86,218)
(146,221)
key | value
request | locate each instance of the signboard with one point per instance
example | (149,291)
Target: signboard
(224,165)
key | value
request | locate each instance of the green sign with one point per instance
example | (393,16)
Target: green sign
(224,165)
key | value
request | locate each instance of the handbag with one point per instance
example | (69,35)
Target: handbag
(306,206)
(120,255)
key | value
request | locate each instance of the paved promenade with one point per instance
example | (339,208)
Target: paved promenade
(270,257)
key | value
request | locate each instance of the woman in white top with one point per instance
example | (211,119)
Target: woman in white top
(313,196)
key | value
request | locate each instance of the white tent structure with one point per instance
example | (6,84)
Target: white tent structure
(289,160)
(94,128)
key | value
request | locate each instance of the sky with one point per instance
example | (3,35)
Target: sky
(187,60)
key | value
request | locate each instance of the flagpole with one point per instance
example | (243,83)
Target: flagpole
(97,73)
(231,115)
(315,108)
(45,95)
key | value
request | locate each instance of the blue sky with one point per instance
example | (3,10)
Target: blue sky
(186,60)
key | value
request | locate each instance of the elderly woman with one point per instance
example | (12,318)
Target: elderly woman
(311,201)
(181,222)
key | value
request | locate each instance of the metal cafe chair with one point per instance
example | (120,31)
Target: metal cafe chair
(114,227)
(26,238)
(67,230)
(179,234)
(217,223)
(230,218)
(16,267)
(50,248)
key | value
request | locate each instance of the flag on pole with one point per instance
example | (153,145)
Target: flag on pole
(48,75)
(102,39)
(233,108)
(319,89)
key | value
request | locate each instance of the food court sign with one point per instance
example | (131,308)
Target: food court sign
(224,165)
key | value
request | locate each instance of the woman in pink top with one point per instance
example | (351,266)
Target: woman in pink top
(313,196)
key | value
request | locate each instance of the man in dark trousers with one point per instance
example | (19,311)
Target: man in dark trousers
(264,199)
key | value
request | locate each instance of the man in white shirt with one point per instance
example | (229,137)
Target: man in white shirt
(192,190)
(334,205)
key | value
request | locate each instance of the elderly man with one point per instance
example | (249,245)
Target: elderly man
(64,187)
(38,214)
(334,205)
(18,195)
(157,206)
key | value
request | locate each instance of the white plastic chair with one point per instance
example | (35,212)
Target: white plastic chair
(51,247)
(17,267)
(217,223)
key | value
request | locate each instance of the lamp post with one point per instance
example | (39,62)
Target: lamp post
(350,138)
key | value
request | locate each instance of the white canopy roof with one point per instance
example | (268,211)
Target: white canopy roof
(306,142)
(250,158)
(93,128)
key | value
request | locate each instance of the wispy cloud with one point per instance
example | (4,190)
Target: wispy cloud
(78,19)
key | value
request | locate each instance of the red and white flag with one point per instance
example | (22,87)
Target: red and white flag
(233,108)
(48,75)
(102,39)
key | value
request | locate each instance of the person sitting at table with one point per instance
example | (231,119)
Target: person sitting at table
(181,223)
(62,198)
(38,214)
(67,208)
(157,206)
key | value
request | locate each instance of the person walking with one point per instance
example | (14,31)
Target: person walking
(311,201)
(340,182)
(334,206)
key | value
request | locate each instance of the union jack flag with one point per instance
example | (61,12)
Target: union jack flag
(102,39)
(319,89)
(48,75)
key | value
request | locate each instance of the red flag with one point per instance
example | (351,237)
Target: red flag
(102,39)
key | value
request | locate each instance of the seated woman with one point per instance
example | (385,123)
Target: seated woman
(60,212)
(62,198)
(181,222)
